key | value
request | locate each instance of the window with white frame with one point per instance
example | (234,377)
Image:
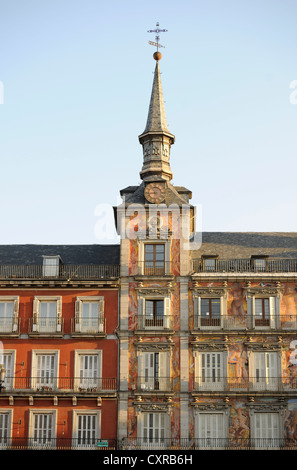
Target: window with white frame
(44,370)
(9,311)
(265,429)
(209,309)
(152,428)
(5,427)
(210,370)
(263,310)
(154,257)
(153,370)
(86,428)
(88,370)
(51,265)
(264,370)
(7,360)
(211,429)
(47,314)
(154,313)
(89,314)
(42,428)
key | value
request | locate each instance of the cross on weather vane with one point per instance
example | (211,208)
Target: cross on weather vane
(157,31)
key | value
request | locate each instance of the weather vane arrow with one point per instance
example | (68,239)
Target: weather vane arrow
(157,31)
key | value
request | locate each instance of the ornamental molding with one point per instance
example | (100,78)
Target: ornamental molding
(156,291)
(279,407)
(209,291)
(154,347)
(224,407)
(262,289)
(161,407)
(263,346)
(209,346)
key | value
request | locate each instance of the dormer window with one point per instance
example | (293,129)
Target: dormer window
(259,263)
(209,263)
(51,265)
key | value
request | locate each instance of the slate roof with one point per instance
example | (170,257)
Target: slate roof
(230,245)
(174,194)
(70,254)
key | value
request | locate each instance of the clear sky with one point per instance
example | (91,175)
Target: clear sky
(76,79)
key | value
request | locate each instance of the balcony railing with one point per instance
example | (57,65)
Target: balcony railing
(66,272)
(57,443)
(145,322)
(271,265)
(154,268)
(9,326)
(153,384)
(211,443)
(47,384)
(244,322)
(245,384)
(46,326)
(89,326)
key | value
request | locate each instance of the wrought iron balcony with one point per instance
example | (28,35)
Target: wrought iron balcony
(49,384)
(46,326)
(152,384)
(154,268)
(270,265)
(217,383)
(88,326)
(245,322)
(68,272)
(9,326)
(162,322)
(42,442)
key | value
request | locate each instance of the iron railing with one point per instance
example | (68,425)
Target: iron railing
(146,322)
(48,383)
(271,265)
(211,443)
(154,268)
(65,272)
(243,322)
(217,383)
(46,326)
(152,384)
(56,443)
(89,325)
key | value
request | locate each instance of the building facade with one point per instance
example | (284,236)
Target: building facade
(167,340)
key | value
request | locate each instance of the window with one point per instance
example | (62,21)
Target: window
(88,366)
(9,309)
(51,266)
(265,430)
(89,317)
(154,429)
(259,263)
(5,427)
(263,310)
(47,314)
(154,313)
(210,370)
(209,264)
(42,428)
(154,259)
(264,370)
(44,370)
(211,430)
(7,361)
(154,371)
(86,428)
(210,312)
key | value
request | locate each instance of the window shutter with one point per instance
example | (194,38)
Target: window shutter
(164,378)
(78,309)
(15,314)
(36,310)
(251,310)
(166,312)
(101,315)
(59,314)
(272,311)
(141,310)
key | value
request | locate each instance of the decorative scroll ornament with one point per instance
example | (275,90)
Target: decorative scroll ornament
(154,347)
(263,346)
(161,407)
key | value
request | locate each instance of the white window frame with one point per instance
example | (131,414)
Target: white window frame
(216,438)
(9,413)
(75,430)
(148,380)
(78,385)
(274,310)
(36,381)
(15,315)
(167,320)
(158,442)
(79,313)
(36,411)
(141,251)
(210,372)
(51,266)
(36,313)
(9,380)
(265,442)
(197,311)
(264,370)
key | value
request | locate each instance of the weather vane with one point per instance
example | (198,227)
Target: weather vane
(157,31)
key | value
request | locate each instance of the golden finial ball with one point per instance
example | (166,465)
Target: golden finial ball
(157,55)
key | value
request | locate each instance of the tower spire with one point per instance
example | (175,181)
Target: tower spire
(156,139)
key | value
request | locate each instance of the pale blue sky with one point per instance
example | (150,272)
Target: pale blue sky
(77,79)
